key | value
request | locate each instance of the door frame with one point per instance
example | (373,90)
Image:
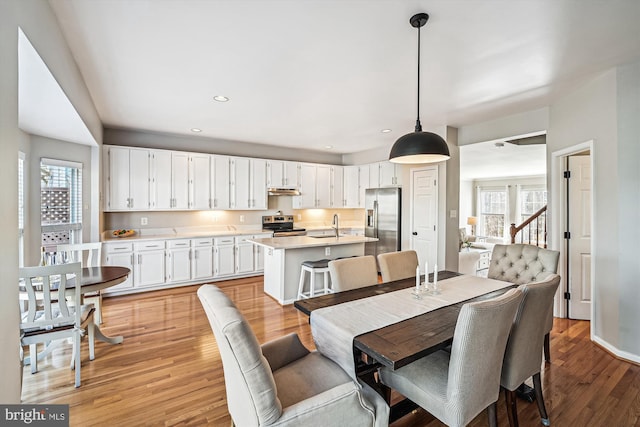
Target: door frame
(558,210)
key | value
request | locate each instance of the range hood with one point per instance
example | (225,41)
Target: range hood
(283,192)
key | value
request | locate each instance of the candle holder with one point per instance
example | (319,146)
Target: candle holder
(417,293)
(434,288)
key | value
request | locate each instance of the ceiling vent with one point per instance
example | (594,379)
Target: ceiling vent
(531,140)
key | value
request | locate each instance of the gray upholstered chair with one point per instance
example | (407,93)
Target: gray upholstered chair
(455,387)
(468,262)
(522,264)
(353,273)
(397,265)
(523,356)
(282,383)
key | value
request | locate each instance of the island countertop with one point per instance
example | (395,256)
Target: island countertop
(297,242)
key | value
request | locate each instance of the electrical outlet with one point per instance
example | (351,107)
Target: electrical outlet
(241,218)
(144,220)
(327,250)
(299,217)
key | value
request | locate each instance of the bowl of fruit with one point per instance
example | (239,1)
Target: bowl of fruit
(123,233)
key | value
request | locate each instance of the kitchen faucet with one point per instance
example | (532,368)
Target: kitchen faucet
(335,225)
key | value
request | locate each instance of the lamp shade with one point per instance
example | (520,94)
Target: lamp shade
(419,147)
(472,220)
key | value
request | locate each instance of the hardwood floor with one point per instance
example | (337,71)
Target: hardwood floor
(168,370)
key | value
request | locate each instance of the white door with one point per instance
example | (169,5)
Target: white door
(580,241)
(424,218)
(199,182)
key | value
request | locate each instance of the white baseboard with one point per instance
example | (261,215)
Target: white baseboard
(615,351)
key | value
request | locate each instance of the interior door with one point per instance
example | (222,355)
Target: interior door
(424,219)
(579,245)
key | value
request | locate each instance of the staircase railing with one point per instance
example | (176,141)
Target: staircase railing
(533,230)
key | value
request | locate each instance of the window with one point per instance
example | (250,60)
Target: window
(60,202)
(493,206)
(531,201)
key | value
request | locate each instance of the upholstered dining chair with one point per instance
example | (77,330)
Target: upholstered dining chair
(49,317)
(89,255)
(281,382)
(520,264)
(397,265)
(468,262)
(354,272)
(455,387)
(523,355)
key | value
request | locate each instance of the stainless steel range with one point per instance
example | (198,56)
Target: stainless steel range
(281,225)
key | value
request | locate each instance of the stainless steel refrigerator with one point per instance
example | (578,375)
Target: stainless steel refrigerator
(382,220)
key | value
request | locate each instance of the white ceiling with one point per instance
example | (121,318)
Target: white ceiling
(304,73)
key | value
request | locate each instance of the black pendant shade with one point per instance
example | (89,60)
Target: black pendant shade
(419,146)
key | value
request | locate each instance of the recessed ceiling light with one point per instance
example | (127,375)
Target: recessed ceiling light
(328,147)
(220,98)
(196,130)
(385,130)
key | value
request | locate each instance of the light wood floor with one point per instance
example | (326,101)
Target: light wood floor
(168,370)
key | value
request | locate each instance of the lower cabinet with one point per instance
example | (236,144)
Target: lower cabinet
(156,264)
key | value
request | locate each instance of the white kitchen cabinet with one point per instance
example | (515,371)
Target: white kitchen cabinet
(179,180)
(224,256)
(220,185)
(351,185)
(202,258)
(337,187)
(161,198)
(244,255)
(390,174)
(199,181)
(258,252)
(282,174)
(374,175)
(315,187)
(178,260)
(149,267)
(121,255)
(363,183)
(248,183)
(127,179)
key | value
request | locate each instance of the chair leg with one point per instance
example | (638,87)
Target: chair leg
(301,284)
(492,413)
(547,353)
(537,385)
(512,409)
(76,355)
(92,341)
(33,357)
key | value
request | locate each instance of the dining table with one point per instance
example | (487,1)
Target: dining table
(392,325)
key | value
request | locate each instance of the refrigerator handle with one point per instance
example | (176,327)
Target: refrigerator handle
(375,218)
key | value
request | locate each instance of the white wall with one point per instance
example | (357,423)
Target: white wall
(39,24)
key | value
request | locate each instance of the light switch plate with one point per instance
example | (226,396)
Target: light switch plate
(144,220)
(327,251)
(453,213)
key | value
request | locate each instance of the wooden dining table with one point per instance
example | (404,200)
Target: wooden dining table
(397,344)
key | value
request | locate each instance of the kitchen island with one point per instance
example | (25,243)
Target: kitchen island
(284,255)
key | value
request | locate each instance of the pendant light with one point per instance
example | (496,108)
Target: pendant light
(419,146)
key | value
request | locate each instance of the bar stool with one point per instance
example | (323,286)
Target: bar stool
(313,267)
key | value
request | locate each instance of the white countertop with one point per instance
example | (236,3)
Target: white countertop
(296,242)
(184,233)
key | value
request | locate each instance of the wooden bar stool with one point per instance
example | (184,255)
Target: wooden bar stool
(313,267)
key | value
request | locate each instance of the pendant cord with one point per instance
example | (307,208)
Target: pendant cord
(418,125)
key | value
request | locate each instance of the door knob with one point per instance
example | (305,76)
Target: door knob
(415,233)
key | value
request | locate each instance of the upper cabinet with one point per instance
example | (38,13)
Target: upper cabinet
(337,187)
(315,187)
(200,181)
(127,179)
(220,181)
(283,174)
(248,183)
(390,174)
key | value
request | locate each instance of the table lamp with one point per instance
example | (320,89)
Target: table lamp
(472,221)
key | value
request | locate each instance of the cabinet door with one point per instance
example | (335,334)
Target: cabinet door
(275,174)
(337,187)
(199,182)
(149,269)
(161,179)
(120,259)
(291,174)
(323,186)
(221,182)
(202,262)
(118,196)
(258,184)
(224,260)
(244,258)
(240,173)
(179,264)
(180,180)
(374,175)
(351,187)
(307,197)
(363,183)
(389,174)
(139,179)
